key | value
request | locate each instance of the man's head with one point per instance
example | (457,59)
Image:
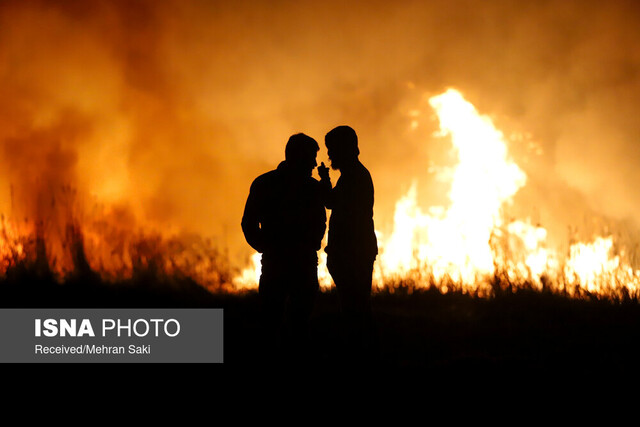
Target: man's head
(342,146)
(300,154)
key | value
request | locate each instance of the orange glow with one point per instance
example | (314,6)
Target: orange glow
(130,133)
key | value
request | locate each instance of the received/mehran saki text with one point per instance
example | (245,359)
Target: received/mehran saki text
(93,349)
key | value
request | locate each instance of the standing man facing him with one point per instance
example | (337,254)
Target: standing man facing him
(352,245)
(285,220)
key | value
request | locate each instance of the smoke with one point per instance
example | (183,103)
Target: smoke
(171,108)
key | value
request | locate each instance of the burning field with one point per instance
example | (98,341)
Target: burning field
(502,139)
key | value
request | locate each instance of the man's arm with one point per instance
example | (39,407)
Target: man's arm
(325,186)
(251,220)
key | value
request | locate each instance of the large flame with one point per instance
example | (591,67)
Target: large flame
(455,241)
(468,243)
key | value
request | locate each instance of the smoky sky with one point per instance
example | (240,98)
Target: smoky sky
(172,108)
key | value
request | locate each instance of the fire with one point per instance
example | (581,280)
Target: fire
(104,246)
(250,276)
(12,248)
(455,241)
(467,244)
(531,259)
(593,268)
(589,262)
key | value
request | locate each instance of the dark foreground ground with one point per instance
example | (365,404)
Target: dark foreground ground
(422,329)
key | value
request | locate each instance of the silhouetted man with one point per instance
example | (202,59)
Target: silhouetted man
(352,247)
(285,220)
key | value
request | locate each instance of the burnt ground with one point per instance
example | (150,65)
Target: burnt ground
(425,329)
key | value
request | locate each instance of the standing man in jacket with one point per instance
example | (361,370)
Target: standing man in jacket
(352,246)
(285,220)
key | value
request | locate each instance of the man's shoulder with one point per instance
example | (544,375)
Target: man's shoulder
(265,179)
